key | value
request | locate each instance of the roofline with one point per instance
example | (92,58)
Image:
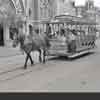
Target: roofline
(74,19)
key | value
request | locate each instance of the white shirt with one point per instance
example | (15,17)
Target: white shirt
(72,37)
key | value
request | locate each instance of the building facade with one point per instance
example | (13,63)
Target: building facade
(33,11)
(8,13)
(89,11)
(66,7)
(7,10)
(39,10)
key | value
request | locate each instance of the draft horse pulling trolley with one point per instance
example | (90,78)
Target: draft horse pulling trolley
(70,36)
(64,36)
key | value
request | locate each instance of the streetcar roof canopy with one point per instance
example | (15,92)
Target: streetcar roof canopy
(70,20)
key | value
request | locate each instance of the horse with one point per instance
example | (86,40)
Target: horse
(28,44)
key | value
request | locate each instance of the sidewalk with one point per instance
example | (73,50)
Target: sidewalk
(6,52)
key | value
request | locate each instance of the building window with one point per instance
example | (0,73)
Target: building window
(44,8)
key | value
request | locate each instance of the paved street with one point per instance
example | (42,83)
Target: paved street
(57,75)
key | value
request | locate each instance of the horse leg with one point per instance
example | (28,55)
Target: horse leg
(25,66)
(44,56)
(40,53)
(32,62)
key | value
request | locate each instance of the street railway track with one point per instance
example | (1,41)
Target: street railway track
(13,73)
(10,69)
(10,73)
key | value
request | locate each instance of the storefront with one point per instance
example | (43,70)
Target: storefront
(7,22)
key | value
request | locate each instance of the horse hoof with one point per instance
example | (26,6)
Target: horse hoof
(44,62)
(25,67)
(32,64)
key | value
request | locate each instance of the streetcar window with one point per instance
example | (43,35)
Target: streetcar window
(69,26)
(78,33)
(65,25)
(88,29)
(78,27)
(83,27)
(45,27)
(73,26)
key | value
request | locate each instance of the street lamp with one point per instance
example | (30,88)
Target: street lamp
(26,16)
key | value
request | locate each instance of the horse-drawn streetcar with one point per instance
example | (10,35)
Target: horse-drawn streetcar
(64,36)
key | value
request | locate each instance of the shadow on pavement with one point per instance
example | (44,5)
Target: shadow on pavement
(60,58)
(64,58)
(82,56)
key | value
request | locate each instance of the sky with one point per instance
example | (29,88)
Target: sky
(82,2)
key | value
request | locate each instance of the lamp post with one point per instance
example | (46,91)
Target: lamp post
(26,16)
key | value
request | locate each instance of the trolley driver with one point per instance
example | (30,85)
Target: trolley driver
(71,41)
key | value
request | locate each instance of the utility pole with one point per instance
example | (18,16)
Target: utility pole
(26,17)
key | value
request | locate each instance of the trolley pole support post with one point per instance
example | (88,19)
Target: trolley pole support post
(26,17)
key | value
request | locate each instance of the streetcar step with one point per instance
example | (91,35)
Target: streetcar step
(78,54)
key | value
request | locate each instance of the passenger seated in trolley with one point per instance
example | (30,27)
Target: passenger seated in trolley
(71,41)
(48,30)
(62,35)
